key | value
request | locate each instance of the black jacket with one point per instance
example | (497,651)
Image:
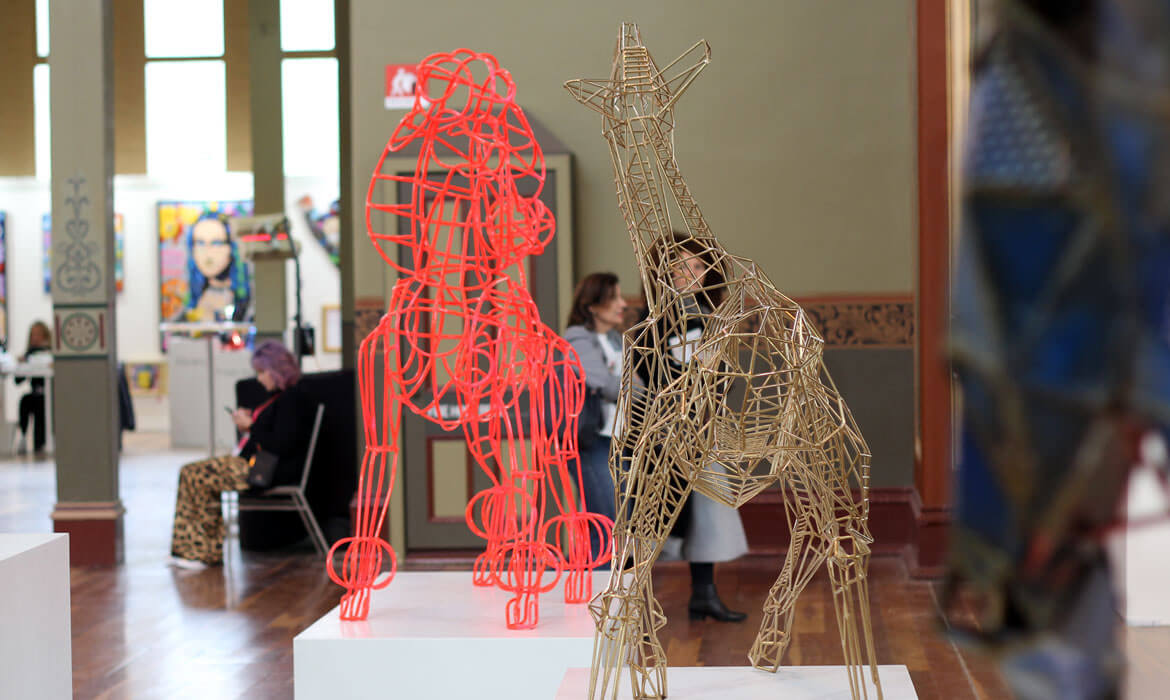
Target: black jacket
(283,428)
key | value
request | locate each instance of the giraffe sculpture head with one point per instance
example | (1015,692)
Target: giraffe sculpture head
(637,107)
(637,88)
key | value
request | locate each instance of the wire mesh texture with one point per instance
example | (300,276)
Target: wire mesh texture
(462,344)
(724,392)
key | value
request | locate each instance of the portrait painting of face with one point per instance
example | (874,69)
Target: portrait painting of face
(201,274)
(211,247)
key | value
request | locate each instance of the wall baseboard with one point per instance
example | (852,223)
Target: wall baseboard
(900,525)
(891,521)
(94,529)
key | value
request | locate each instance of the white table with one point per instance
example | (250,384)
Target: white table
(31,370)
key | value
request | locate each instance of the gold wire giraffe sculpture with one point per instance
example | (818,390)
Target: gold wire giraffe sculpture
(724,392)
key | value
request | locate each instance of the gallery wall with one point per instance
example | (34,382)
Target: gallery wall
(26,200)
(798,141)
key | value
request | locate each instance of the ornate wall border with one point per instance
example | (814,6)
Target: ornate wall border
(870,322)
(846,321)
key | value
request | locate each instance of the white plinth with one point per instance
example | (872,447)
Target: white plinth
(35,646)
(202,377)
(1146,568)
(746,683)
(435,635)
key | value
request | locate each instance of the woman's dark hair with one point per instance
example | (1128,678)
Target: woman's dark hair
(45,333)
(274,358)
(597,288)
(713,281)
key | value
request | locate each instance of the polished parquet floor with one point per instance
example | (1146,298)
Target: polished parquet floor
(146,630)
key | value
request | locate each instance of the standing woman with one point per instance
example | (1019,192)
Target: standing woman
(597,313)
(280,426)
(32,404)
(712,532)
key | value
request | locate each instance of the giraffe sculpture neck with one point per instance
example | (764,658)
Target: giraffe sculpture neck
(644,164)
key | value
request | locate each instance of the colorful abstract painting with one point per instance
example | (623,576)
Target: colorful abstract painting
(47,248)
(146,378)
(325,226)
(201,274)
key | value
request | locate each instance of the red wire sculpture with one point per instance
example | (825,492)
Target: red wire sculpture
(462,345)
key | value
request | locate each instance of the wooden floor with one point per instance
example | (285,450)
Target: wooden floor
(145,630)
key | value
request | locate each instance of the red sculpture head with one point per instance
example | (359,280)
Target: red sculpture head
(479,172)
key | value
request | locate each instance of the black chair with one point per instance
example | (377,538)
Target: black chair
(291,497)
(333,479)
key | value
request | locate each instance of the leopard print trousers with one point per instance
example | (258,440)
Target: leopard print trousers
(199,528)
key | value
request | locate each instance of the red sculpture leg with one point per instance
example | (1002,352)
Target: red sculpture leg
(367,550)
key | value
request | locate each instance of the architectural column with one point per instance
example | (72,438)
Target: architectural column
(272,317)
(85,400)
(349,212)
(932,478)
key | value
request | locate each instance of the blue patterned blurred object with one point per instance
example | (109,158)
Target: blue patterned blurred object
(1060,336)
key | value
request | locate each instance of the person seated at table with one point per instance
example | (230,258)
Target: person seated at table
(279,426)
(32,404)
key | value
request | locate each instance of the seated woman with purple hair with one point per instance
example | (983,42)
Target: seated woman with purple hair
(279,426)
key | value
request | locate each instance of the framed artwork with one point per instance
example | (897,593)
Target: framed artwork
(3,280)
(324,225)
(47,247)
(331,328)
(119,252)
(202,275)
(146,378)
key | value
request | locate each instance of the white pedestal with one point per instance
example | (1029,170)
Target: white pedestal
(198,395)
(35,646)
(1145,568)
(746,683)
(435,635)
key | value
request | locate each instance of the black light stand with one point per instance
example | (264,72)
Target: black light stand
(303,340)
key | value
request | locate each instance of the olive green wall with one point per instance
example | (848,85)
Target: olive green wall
(797,141)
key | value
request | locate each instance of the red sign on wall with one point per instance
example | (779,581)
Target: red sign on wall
(401,85)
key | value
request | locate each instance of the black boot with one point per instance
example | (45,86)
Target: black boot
(705,603)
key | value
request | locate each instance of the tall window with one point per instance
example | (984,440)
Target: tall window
(186,122)
(41,125)
(42,28)
(184,96)
(306,25)
(309,88)
(41,120)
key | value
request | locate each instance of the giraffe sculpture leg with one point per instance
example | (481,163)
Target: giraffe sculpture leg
(780,606)
(628,615)
(848,562)
(628,618)
(806,512)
